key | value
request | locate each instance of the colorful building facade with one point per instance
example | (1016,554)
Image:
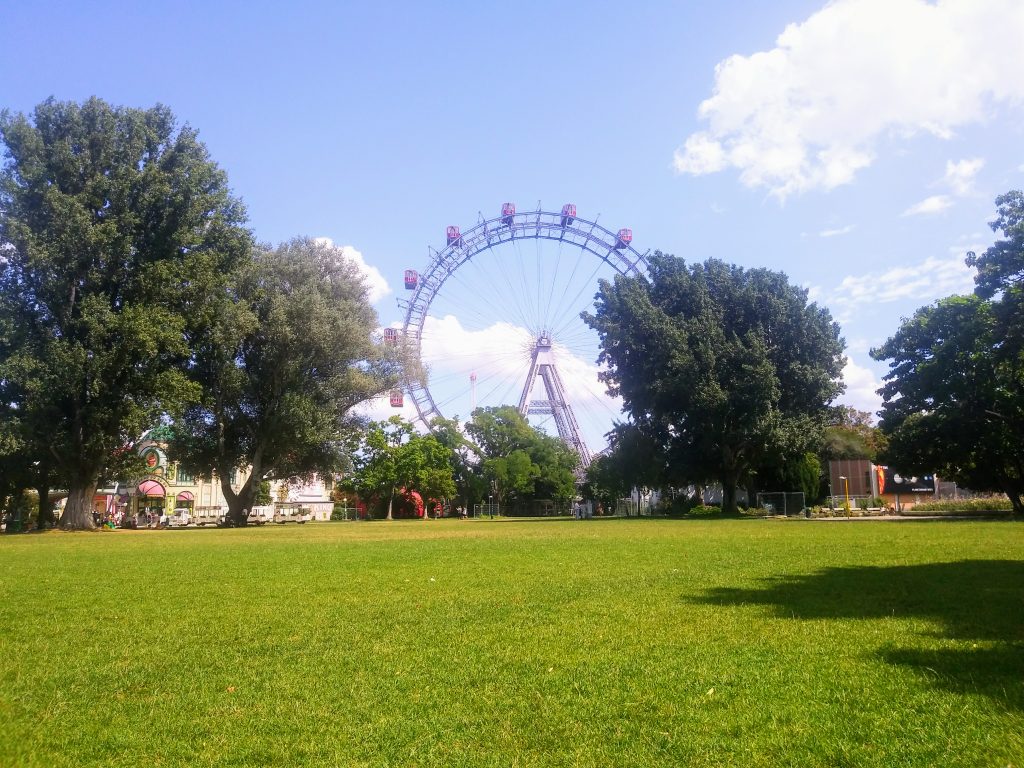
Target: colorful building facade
(166,488)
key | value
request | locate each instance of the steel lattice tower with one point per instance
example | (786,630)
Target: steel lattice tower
(542,366)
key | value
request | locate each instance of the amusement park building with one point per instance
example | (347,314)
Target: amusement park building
(165,487)
(860,478)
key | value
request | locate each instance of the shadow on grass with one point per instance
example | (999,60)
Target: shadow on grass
(969,601)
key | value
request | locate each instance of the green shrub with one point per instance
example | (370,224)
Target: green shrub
(987,504)
(702,510)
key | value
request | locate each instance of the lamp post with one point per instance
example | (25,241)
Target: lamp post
(846,489)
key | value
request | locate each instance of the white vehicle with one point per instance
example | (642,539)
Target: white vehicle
(208,516)
(181,518)
(292,512)
(260,515)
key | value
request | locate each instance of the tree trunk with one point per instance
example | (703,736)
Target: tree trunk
(78,510)
(391,500)
(729,482)
(239,503)
(44,519)
(1015,501)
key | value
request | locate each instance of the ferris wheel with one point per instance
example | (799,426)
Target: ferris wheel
(494,319)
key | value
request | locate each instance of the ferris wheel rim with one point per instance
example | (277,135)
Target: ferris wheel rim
(487,234)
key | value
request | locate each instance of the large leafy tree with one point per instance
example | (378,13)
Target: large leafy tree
(954,394)
(464,457)
(632,460)
(520,462)
(281,359)
(727,369)
(115,224)
(395,458)
(1000,279)
(851,434)
(952,405)
(1001,267)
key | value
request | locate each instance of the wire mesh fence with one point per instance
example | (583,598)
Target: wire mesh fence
(782,502)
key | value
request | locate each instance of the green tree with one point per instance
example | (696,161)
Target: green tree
(729,369)
(116,225)
(954,394)
(633,459)
(394,457)
(1001,267)
(464,458)
(952,404)
(281,360)
(851,434)
(520,462)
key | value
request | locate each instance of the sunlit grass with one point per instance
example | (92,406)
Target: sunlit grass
(748,643)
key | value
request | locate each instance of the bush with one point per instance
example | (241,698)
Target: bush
(951,506)
(704,510)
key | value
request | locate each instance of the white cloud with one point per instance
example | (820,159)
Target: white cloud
(834,232)
(913,284)
(499,355)
(960,176)
(810,112)
(861,386)
(930,205)
(375,281)
(858,346)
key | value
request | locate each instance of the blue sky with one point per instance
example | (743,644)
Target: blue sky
(857,145)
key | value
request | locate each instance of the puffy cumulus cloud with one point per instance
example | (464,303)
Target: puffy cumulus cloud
(861,388)
(809,113)
(499,348)
(375,282)
(930,205)
(960,176)
(499,354)
(913,284)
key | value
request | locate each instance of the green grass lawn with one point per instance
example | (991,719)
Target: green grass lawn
(516,643)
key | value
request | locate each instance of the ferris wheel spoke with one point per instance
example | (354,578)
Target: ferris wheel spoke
(512,295)
(476,303)
(575,301)
(554,283)
(478,327)
(527,291)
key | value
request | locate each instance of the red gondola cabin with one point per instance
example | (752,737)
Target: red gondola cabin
(412,279)
(568,214)
(391,336)
(508,211)
(454,236)
(625,237)
(397,401)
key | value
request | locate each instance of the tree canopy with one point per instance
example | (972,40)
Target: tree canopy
(281,359)
(114,224)
(727,369)
(954,394)
(852,434)
(522,463)
(394,458)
